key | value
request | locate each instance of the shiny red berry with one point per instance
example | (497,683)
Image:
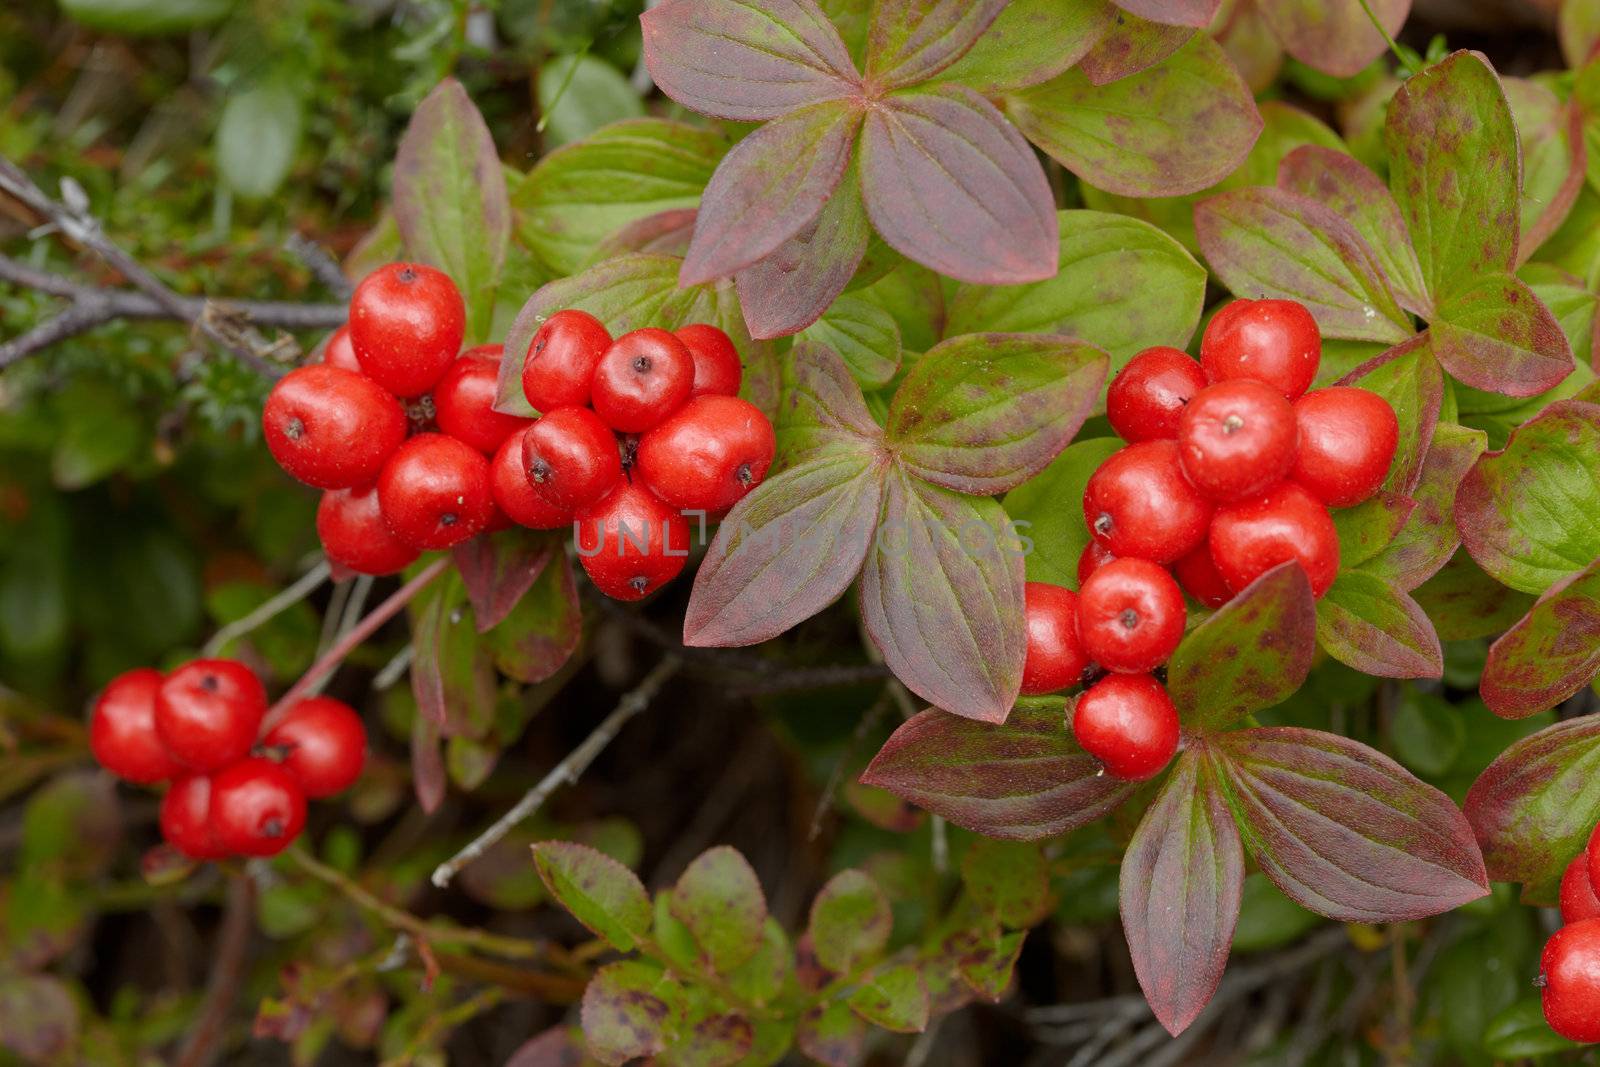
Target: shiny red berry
(463,401)
(561,360)
(1592,853)
(354,535)
(1056,658)
(257,807)
(331,428)
(1128,723)
(1569,972)
(643,377)
(1275,342)
(1236,440)
(1347,441)
(1286,523)
(185,819)
(208,712)
(1198,575)
(708,454)
(1147,397)
(630,543)
(1092,558)
(406,323)
(323,744)
(1578,900)
(717,368)
(571,458)
(1130,616)
(122,729)
(1139,504)
(514,495)
(435,492)
(337,351)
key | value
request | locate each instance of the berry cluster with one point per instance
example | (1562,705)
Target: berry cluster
(236,790)
(1230,469)
(1569,966)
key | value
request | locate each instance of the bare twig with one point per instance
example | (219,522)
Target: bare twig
(319,262)
(308,583)
(227,971)
(567,772)
(349,617)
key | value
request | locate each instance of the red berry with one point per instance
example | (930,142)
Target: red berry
(1055,657)
(1092,558)
(257,807)
(561,360)
(514,495)
(708,454)
(353,533)
(122,730)
(1128,723)
(1147,397)
(1347,441)
(1578,900)
(643,377)
(324,745)
(1130,616)
(435,492)
(463,401)
(631,544)
(571,458)
(1592,851)
(1569,971)
(186,819)
(716,362)
(208,712)
(1139,504)
(337,351)
(406,323)
(1275,342)
(1198,575)
(1236,439)
(1286,523)
(331,428)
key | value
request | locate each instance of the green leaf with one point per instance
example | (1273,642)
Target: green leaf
(1044,510)
(1429,537)
(1008,880)
(1135,136)
(1130,45)
(450,198)
(1367,623)
(832,1034)
(719,899)
(452,675)
(1464,603)
(578,94)
(541,632)
(1551,134)
(1571,302)
(101,433)
(1267,918)
(139,17)
(627,1008)
(850,922)
(600,893)
(1030,42)
(1494,334)
(257,136)
(1579,26)
(1427,733)
(1409,378)
(894,998)
(988,960)
(706,1034)
(1550,654)
(1366,528)
(910,41)
(983,413)
(768,972)
(1122,286)
(824,412)
(864,335)
(1249,655)
(1520,1032)
(1535,805)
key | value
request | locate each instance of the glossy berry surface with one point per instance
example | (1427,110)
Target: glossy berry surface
(323,744)
(257,807)
(406,324)
(1287,523)
(1592,852)
(353,533)
(208,712)
(331,428)
(1055,658)
(570,458)
(1347,442)
(1236,440)
(1197,574)
(514,495)
(561,360)
(1140,504)
(643,377)
(717,368)
(708,454)
(1147,397)
(122,729)
(1130,616)
(185,819)
(631,544)
(1128,723)
(463,401)
(1569,972)
(1275,342)
(435,492)
(1578,900)
(337,351)
(1092,558)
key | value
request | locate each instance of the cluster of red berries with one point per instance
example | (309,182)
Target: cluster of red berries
(1230,469)
(634,432)
(236,790)
(1569,967)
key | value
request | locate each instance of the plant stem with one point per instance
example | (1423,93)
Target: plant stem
(1406,61)
(308,583)
(227,971)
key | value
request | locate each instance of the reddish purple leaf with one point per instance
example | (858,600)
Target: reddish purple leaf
(769,188)
(1334,36)
(950,183)
(1494,334)
(1367,623)
(1408,377)
(824,411)
(1022,780)
(555,1047)
(912,40)
(1193,13)
(1429,538)
(452,675)
(666,232)
(498,568)
(1344,830)
(1031,42)
(832,1034)
(42,1019)
(427,763)
(791,287)
(1182,877)
(1553,159)
(540,634)
(1132,44)
(746,60)
(1549,655)
(1465,603)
